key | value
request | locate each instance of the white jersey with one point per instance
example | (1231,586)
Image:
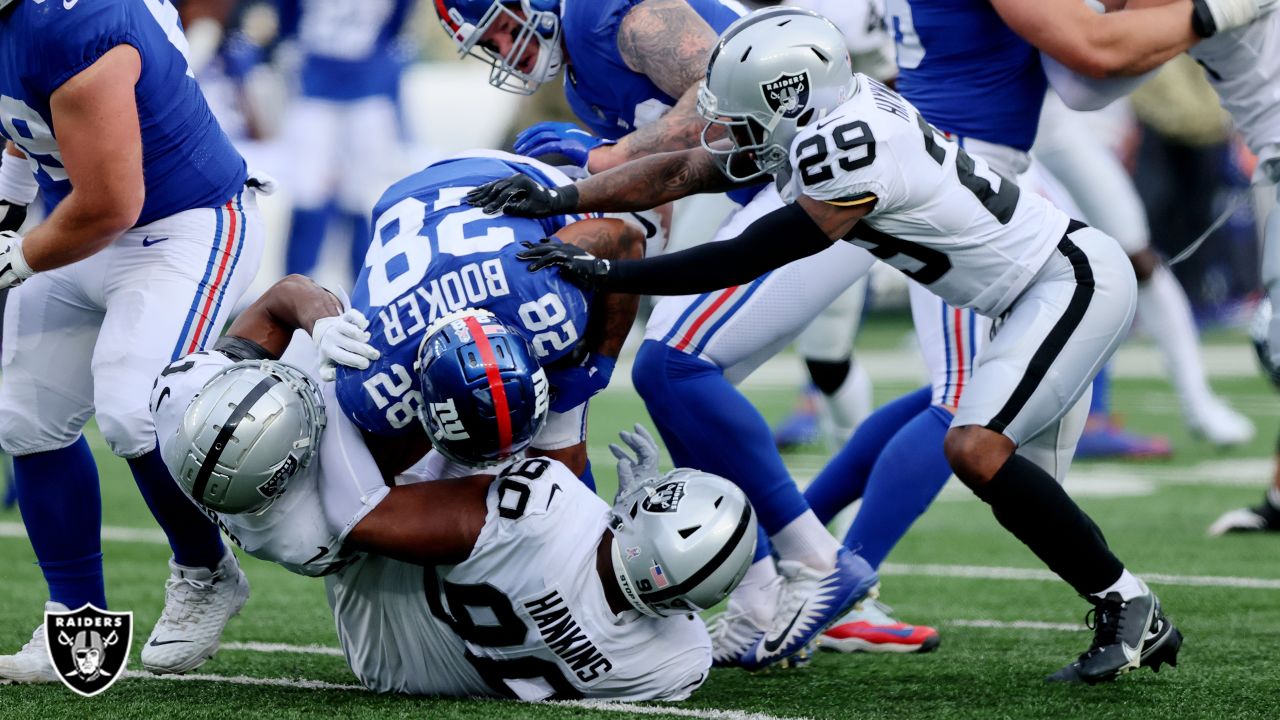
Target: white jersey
(1243,65)
(304,529)
(942,217)
(524,616)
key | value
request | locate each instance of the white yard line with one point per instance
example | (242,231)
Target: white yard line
(670,710)
(282,648)
(246,680)
(1035,574)
(119,534)
(1017,625)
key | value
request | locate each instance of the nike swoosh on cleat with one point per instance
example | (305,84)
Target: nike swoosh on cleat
(148,242)
(772,645)
(158,643)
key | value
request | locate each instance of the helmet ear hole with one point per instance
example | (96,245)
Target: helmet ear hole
(686,532)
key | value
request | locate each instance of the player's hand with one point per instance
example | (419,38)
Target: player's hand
(12,215)
(1210,17)
(13,265)
(573,386)
(522,195)
(576,265)
(560,138)
(643,469)
(342,340)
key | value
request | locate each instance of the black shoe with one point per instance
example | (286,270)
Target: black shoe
(1126,635)
(1259,518)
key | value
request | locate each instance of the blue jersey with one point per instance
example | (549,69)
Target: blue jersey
(351,48)
(966,71)
(187,161)
(611,98)
(433,254)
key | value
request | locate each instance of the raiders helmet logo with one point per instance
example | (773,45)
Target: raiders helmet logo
(664,498)
(787,94)
(272,487)
(88,647)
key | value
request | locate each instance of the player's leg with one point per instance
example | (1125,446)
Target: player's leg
(372,160)
(315,140)
(164,301)
(826,345)
(45,400)
(1105,194)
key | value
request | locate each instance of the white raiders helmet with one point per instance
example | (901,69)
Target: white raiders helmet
(772,73)
(253,426)
(682,543)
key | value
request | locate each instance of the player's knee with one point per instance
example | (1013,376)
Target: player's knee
(1144,262)
(128,432)
(976,453)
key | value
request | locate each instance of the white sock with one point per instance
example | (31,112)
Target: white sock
(1165,316)
(1129,587)
(757,594)
(844,410)
(805,540)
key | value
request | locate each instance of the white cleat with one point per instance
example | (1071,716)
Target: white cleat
(733,632)
(1260,518)
(31,664)
(1219,423)
(197,605)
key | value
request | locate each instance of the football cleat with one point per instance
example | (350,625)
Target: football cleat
(31,664)
(197,605)
(810,602)
(1104,438)
(733,633)
(1126,635)
(1219,423)
(1259,518)
(869,627)
(801,427)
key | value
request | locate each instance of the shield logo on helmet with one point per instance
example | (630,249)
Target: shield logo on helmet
(88,647)
(787,94)
(665,498)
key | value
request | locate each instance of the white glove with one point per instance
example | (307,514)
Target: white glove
(643,469)
(13,266)
(342,340)
(1231,14)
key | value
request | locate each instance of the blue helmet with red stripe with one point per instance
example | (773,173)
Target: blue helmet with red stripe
(484,397)
(528,52)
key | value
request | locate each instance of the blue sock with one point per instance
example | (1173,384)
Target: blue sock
(906,477)
(62,510)
(306,236)
(194,539)
(359,242)
(587,478)
(1101,400)
(708,425)
(845,477)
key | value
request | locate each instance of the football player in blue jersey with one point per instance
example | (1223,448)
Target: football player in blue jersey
(343,132)
(632,72)
(149,239)
(432,254)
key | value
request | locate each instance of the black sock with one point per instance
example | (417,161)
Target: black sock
(828,376)
(1029,503)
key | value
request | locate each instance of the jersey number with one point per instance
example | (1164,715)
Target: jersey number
(396,384)
(853,139)
(1000,203)
(549,321)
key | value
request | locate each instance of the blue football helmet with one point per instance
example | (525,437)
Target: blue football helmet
(537,21)
(484,397)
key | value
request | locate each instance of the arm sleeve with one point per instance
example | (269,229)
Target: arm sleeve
(1080,92)
(784,235)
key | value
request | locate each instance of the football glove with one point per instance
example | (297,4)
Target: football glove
(12,215)
(342,340)
(643,469)
(572,386)
(559,138)
(576,265)
(522,195)
(1210,17)
(13,265)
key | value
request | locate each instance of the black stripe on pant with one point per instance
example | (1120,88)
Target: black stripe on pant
(1058,337)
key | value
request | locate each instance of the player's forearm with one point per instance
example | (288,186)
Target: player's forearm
(679,129)
(294,303)
(82,225)
(426,523)
(651,181)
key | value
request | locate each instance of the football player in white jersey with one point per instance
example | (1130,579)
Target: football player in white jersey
(517,605)
(857,162)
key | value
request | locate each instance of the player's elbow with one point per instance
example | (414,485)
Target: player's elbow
(1094,61)
(117,211)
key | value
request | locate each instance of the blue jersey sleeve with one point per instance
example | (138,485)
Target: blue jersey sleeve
(77,38)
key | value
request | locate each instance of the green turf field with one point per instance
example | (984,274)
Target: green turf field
(1000,637)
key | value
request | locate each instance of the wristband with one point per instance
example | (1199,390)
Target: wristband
(17,182)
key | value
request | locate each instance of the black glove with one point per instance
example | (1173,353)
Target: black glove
(576,265)
(12,215)
(522,195)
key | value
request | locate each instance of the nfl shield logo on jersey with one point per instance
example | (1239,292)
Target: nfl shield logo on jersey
(88,647)
(787,94)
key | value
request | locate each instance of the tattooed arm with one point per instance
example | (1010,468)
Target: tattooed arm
(668,42)
(652,181)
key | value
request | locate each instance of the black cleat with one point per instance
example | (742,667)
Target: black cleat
(1126,635)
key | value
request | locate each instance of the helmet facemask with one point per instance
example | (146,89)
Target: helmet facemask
(536,26)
